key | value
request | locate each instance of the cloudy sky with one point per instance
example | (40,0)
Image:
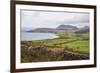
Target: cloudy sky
(48,19)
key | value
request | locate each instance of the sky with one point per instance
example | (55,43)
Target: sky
(49,19)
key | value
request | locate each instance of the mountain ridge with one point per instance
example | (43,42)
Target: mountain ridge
(53,30)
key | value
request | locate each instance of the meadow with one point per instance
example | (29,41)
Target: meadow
(69,46)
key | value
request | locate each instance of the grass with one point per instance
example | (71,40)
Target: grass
(41,53)
(56,42)
(55,49)
(79,46)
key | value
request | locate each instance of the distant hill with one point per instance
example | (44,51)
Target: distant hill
(83,30)
(45,30)
(54,30)
(66,27)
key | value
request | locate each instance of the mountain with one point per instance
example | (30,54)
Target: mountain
(54,30)
(66,27)
(45,30)
(83,30)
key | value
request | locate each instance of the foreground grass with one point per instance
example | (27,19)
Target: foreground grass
(79,46)
(76,45)
(43,54)
(54,50)
(68,46)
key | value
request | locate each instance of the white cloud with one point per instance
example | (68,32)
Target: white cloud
(34,19)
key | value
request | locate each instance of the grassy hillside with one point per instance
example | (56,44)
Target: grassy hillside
(69,46)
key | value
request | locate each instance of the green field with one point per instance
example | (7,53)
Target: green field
(52,49)
(71,44)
